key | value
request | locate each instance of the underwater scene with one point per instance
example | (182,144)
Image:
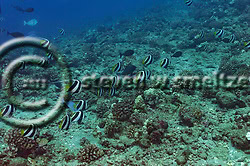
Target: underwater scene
(125,83)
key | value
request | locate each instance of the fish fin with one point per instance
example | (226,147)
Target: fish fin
(75,105)
(161,63)
(67,87)
(61,123)
(22,132)
(1,113)
(113,68)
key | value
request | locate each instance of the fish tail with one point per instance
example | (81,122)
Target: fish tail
(24,23)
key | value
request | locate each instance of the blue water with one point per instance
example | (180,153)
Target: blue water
(72,15)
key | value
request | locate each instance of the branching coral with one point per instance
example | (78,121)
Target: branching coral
(89,153)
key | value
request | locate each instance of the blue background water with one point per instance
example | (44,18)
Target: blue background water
(72,15)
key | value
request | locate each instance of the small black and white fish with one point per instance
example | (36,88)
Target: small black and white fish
(200,35)
(8,111)
(141,76)
(65,123)
(247,44)
(100,92)
(114,81)
(117,67)
(148,60)
(49,55)
(188,2)
(61,31)
(75,87)
(165,62)
(219,33)
(31,131)
(43,63)
(78,117)
(112,91)
(148,74)
(22,65)
(232,39)
(45,43)
(82,105)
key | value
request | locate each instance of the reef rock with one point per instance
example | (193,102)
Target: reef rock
(227,100)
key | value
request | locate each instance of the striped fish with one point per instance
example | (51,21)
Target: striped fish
(117,67)
(219,33)
(114,81)
(61,31)
(29,132)
(112,91)
(45,43)
(8,110)
(188,2)
(148,74)
(165,62)
(247,44)
(65,123)
(78,117)
(148,60)
(200,35)
(75,87)
(141,76)
(100,92)
(49,55)
(43,63)
(22,65)
(232,39)
(82,105)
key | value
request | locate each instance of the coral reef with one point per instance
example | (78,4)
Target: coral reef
(112,127)
(228,100)
(232,66)
(21,146)
(123,110)
(190,114)
(89,153)
(164,122)
(239,140)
